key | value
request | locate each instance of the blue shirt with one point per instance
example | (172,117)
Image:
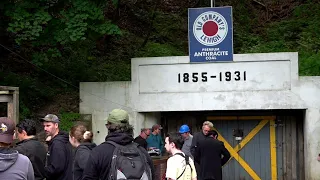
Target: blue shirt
(155,141)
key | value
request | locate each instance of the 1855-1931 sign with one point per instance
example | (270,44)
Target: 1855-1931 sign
(213,77)
(205,76)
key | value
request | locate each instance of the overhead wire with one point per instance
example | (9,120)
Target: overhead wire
(65,81)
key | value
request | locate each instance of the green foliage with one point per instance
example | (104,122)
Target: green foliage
(309,64)
(82,16)
(24,111)
(156,50)
(39,58)
(169,28)
(52,23)
(300,33)
(67,120)
(25,25)
(79,40)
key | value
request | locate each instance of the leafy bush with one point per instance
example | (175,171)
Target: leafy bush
(67,120)
(156,50)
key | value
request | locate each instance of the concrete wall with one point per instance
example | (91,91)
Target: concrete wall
(309,91)
(274,84)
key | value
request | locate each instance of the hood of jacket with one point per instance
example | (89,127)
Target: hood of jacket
(61,136)
(120,138)
(26,140)
(87,145)
(7,158)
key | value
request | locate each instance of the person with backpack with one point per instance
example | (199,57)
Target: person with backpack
(81,139)
(119,157)
(179,165)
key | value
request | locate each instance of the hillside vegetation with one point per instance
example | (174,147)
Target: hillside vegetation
(59,43)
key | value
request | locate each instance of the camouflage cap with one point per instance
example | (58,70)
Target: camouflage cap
(51,118)
(118,116)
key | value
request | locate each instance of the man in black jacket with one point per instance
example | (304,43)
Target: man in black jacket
(31,147)
(119,132)
(141,139)
(199,136)
(211,155)
(59,156)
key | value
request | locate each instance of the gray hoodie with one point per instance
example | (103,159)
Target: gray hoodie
(14,166)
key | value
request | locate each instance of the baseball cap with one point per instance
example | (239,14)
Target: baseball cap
(156,126)
(51,118)
(118,116)
(7,128)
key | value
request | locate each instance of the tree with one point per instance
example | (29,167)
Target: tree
(49,25)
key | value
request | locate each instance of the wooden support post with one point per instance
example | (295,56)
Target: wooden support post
(273,150)
(284,149)
(10,95)
(13,106)
(294,156)
(288,149)
(300,149)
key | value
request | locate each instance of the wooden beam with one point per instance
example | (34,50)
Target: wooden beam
(300,149)
(288,145)
(219,118)
(252,133)
(294,147)
(13,107)
(238,158)
(284,152)
(5,98)
(8,88)
(4,92)
(248,138)
(273,151)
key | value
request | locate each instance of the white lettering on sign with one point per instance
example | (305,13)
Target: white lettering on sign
(210,28)
(212,77)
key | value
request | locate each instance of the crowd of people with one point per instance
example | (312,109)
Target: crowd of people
(73,155)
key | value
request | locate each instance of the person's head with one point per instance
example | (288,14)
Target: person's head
(174,141)
(26,129)
(79,134)
(213,133)
(156,129)
(118,122)
(51,124)
(184,131)
(206,127)
(7,128)
(145,133)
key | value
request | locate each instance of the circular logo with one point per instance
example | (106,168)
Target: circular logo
(210,28)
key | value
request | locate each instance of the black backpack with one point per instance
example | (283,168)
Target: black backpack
(128,162)
(186,158)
